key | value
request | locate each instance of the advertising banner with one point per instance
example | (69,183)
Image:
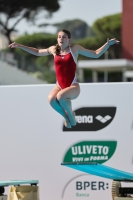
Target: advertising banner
(34,141)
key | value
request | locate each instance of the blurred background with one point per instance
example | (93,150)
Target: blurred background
(91,22)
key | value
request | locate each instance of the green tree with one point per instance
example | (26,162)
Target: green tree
(106,27)
(38,66)
(78,28)
(37,40)
(26,9)
(92,43)
(109,26)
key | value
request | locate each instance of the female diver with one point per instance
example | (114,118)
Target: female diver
(65,60)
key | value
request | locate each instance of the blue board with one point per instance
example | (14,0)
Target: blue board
(18,182)
(102,171)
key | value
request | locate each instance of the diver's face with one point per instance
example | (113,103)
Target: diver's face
(63,40)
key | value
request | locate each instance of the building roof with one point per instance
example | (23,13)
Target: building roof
(110,65)
(10,75)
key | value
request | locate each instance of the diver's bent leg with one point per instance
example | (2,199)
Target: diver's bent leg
(58,108)
(65,96)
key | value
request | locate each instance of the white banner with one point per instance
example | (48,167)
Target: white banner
(34,142)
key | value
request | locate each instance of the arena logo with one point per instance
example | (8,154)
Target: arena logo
(90,151)
(92,118)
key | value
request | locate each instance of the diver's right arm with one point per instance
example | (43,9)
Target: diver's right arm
(32,50)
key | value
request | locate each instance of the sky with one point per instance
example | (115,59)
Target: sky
(86,10)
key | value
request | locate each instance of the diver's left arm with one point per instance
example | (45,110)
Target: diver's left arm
(97,53)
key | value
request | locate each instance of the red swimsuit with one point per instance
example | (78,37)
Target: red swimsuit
(65,68)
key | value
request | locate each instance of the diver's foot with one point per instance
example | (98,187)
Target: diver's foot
(73,120)
(67,123)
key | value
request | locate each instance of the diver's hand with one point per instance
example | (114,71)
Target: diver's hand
(14,45)
(112,41)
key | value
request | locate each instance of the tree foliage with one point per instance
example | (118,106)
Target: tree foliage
(39,66)
(91,43)
(109,26)
(78,28)
(26,9)
(37,40)
(106,27)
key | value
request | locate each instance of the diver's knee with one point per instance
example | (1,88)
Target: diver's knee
(51,99)
(60,97)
